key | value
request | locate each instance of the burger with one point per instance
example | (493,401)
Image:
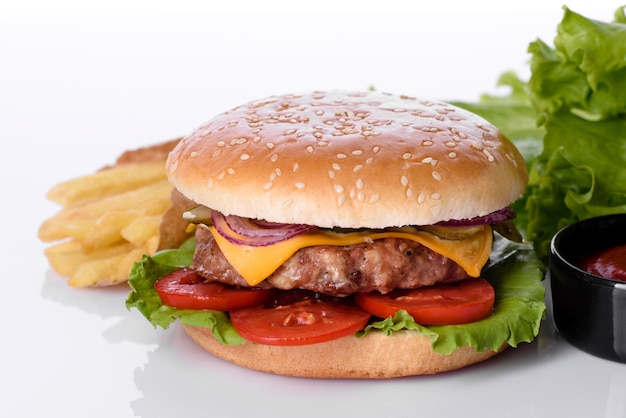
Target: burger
(345,235)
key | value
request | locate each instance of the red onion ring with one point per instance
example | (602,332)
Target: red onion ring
(256,233)
(503,215)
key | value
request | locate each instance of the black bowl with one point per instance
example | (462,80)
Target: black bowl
(589,311)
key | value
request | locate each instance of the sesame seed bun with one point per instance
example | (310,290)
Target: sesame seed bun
(374,356)
(352,160)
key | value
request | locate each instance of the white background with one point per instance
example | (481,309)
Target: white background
(80,84)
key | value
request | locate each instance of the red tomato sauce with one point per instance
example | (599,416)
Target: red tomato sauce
(609,263)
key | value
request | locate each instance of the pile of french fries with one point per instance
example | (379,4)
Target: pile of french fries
(108,220)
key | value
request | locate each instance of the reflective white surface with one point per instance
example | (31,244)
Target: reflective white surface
(78,86)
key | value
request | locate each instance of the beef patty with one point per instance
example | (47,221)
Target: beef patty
(382,265)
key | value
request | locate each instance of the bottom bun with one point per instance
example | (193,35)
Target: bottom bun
(374,356)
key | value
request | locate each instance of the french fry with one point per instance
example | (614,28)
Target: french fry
(108,229)
(107,222)
(131,199)
(55,229)
(100,272)
(77,221)
(66,257)
(141,229)
(107,182)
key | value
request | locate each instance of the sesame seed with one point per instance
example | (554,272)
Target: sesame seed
(341,199)
(289,132)
(231,171)
(338,188)
(319,112)
(272,176)
(318,135)
(220,143)
(427,160)
(221,175)
(216,153)
(490,157)
(244,157)
(309,149)
(256,139)
(287,203)
(279,172)
(359,184)
(456,138)
(369,160)
(331,174)
(450,144)
(436,175)
(193,154)
(407,155)
(427,142)
(299,186)
(322,143)
(462,135)
(267,185)
(374,198)
(210,183)
(274,158)
(357,152)
(452,155)
(409,192)
(357,167)
(421,198)
(206,133)
(360,196)
(376,149)
(336,166)
(435,196)
(269,145)
(404,180)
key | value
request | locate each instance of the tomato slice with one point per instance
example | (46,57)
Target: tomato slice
(186,289)
(443,304)
(309,321)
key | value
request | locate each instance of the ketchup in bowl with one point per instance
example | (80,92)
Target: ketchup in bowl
(609,263)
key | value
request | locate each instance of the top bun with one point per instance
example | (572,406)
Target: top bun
(352,160)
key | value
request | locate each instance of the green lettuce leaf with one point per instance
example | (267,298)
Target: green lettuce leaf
(514,271)
(578,89)
(144,298)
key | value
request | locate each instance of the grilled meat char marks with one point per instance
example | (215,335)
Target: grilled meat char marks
(381,265)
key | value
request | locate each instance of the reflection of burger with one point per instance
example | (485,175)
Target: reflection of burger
(321,213)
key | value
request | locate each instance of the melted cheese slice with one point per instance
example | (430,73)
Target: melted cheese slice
(255,264)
